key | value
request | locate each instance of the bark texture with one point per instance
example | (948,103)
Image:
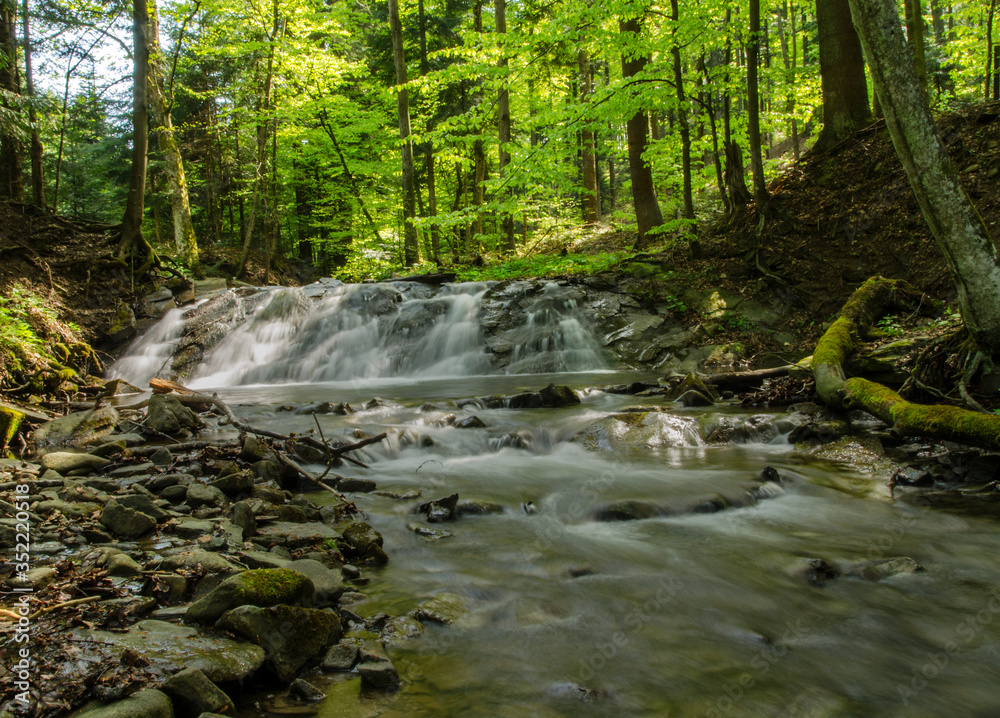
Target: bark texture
(954,222)
(411,248)
(842,74)
(132,222)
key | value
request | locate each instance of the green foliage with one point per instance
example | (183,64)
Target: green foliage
(542,265)
(889,325)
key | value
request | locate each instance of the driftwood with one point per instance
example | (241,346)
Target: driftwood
(183,446)
(338,452)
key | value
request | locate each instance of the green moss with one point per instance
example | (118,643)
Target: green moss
(270,586)
(10,422)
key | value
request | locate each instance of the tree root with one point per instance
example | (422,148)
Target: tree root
(951,423)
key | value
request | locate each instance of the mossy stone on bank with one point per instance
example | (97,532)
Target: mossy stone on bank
(260,587)
(10,422)
(146,704)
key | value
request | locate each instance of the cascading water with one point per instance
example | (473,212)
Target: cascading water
(151,353)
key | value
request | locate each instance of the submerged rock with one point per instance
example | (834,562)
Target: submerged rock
(379,676)
(366,542)
(193,693)
(445,509)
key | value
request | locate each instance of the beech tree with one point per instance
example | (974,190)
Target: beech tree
(842,69)
(954,222)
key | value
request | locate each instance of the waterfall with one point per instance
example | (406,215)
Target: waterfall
(343,332)
(151,353)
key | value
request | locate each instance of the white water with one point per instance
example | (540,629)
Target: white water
(151,353)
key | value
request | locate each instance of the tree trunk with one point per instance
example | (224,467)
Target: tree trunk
(647,210)
(429,145)
(131,238)
(411,247)
(760,193)
(185,242)
(37,176)
(682,115)
(915,37)
(989,49)
(11,174)
(953,221)
(503,123)
(591,200)
(937,19)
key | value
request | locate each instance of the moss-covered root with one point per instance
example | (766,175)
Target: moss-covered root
(871,300)
(10,422)
(937,422)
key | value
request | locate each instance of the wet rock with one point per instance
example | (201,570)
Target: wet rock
(292,637)
(78,429)
(35,579)
(203,495)
(169,588)
(259,587)
(174,494)
(169,648)
(444,608)
(445,509)
(429,534)
(123,565)
(817,572)
(291,514)
(693,382)
(158,302)
(366,543)
(145,704)
(470,422)
(63,462)
(694,398)
(254,449)
(821,431)
(629,510)
(305,691)
(878,570)
(379,676)
(193,693)
(240,482)
(67,508)
(143,503)
(243,517)
(188,528)
(123,326)
(167,415)
(478,508)
(558,396)
(125,522)
(341,657)
(356,485)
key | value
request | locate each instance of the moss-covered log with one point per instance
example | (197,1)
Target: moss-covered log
(873,299)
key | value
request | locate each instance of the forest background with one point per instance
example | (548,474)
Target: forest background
(369,137)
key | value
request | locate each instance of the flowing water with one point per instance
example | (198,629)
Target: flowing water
(690,614)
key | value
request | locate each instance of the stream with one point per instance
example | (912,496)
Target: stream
(682,614)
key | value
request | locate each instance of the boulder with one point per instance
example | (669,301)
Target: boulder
(143,503)
(203,495)
(145,704)
(305,691)
(292,637)
(167,415)
(557,396)
(123,326)
(240,482)
(341,657)
(445,608)
(193,693)
(379,676)
(125,522)
(243,517)
(197,559)
(81,428)
(63,462)
(367,542)
(260,587)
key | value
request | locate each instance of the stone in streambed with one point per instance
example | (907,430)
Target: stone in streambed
(167,415)
(341,657)
(125,522)
(81,428)
(440,510)
(886,568)
(629,510)
(143,504)
(244,518)
(63,462)
(305,690)
(366,542)
(145,704)
(292,637)
(193,693)
(260,587)
(204,495)
(240,482)
(379,676)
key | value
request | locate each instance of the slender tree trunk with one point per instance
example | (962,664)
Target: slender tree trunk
(954,222)
(37,178)
(11,174)
(591,201)
(760,193)
(429,145)
(260,169)
(185,242)
(937,19)
(647,209)
(739,195)
(915,37)
(682,115)
(131,238)
(411,247)
(989,49)
(503,123)
(478,156)
(714,129)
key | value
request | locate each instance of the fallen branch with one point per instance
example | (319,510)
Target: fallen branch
(742,379)
(66,604)
(175,448)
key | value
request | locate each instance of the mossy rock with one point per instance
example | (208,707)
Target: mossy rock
(260,587)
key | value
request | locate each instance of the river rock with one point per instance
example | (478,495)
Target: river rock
(123,326)
(143,503)
(81,428)
(350,485)
(169,648)
(305,691)
(878,570)
(199,560)
(259,587)
(145,704)
(558,396)
(366,543)
(158,302)
(470,422)
(629,510)
(67,508)
(243,517)
(292,637)
(167,415)
(203,495)
(125,522)
(379,676)
(255,449)
(445,509)
(445,608)
(341,657)
(296,535)
(63,462)
(188,528)
(193,693)
(239,482)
